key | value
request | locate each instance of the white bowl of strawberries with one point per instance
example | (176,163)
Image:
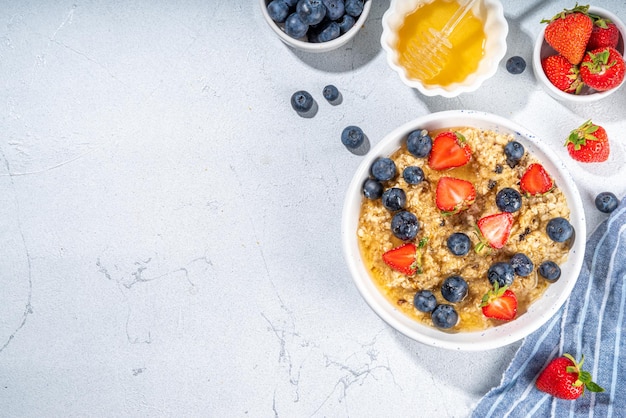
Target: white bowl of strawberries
(579,54)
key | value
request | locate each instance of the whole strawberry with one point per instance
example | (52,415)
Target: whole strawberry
(569,31)
(603,68)
(565,379)
(562,74)
(604,33)
(588,143)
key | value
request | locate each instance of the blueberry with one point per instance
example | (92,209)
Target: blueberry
(458,243)
(550,271)
(302,101)
(559,229)
(291,3)
(394,199)
(295,27)
(328,32)
(419,143)
(311,12)
(514,151)
(413,174)
(405,225)
(354,7)
(383,169)
(509,200)
(522,265)
(606,202)
(454,289)
(372,189)
(330,93)
(278,10)
(334,8)
(352,137)
(444,316)
(345,23)
(502,273)
(424,301)
(515,65)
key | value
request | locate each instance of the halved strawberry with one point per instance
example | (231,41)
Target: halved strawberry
(536,180)
(449,150)
(454,195)
(495,230)
(499,303)
(402,258)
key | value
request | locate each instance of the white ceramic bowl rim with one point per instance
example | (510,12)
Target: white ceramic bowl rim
(496,28)
(561,95)
(539,312)
(322,46)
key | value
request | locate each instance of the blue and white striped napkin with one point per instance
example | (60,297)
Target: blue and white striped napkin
(591,322)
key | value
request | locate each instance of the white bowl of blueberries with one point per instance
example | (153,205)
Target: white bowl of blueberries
(315,25)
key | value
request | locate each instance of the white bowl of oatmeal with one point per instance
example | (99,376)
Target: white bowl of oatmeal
(366,234)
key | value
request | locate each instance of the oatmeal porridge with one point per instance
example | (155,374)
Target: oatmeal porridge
(462,199)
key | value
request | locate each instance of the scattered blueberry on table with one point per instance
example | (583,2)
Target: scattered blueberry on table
(303,103)
(606,202)
(515,65)
(352,137)
(331,94)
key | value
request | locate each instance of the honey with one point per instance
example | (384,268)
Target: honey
(467,39)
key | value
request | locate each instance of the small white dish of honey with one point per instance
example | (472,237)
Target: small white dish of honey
(478,43)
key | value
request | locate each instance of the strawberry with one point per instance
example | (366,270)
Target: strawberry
(588,143)
(495,230)
(454,195)
(604,33)
(602,69)
(568,33)
(564,75)
(564,378)
(499,303)
(402,259)
(536,180)
(449,150)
